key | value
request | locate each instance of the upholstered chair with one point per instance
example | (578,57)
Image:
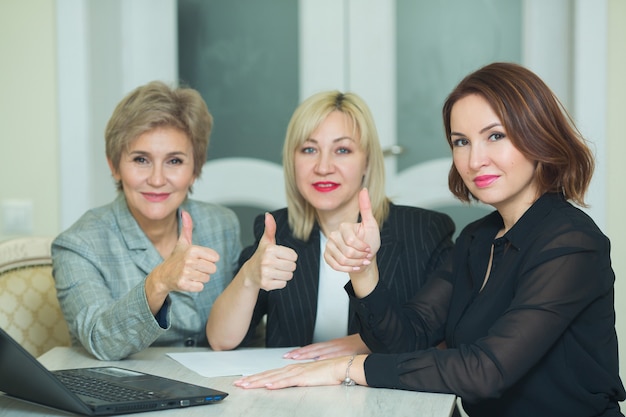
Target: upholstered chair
(29,309)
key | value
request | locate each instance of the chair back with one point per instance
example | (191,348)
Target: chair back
(29,308)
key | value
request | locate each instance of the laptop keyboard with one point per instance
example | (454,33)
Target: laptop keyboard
(97,388)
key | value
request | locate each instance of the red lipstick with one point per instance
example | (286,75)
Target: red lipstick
(483,181)
(325,186)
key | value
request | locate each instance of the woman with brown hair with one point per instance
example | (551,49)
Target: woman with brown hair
(525,305)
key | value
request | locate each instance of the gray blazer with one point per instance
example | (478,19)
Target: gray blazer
(100,264)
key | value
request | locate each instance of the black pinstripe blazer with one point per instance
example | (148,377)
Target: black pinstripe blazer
(414,242)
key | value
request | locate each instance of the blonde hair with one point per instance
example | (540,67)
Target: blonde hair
(305,119)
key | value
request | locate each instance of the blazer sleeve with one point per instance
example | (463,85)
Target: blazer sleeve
(101,322)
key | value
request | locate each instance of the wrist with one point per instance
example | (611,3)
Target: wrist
(347,380)
(249,277)
(364,281)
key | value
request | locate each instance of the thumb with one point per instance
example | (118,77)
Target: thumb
(186,232)
(365,207)
(269,235)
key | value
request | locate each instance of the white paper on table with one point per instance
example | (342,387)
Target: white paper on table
(233,362)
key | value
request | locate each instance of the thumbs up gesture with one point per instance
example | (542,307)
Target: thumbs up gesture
(185,237)
(352,247)
(272,265)
(189,267)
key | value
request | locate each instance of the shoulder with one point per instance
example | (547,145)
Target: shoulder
(571,225)
(281,217)
(410,216)
(95,232)
(97,221)
(209,213)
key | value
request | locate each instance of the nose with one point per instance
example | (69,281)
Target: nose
(478,156)
(325,163)
(156,177)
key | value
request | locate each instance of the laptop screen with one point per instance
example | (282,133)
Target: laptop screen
(24,377)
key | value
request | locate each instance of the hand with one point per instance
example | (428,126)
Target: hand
(307,374)
(349,345)
(272,265)
(189,267)
(354,245)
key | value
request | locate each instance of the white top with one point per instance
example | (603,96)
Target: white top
(331,321)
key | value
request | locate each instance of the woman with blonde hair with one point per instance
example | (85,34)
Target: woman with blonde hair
(331,151)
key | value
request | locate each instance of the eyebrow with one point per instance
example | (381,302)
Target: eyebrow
(483,130)
(491,126)
(169,154)
(339,139)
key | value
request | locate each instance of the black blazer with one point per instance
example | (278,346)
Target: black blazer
(414,242)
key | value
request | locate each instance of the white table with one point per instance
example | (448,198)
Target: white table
(331,401)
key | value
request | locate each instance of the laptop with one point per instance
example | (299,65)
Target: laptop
(25,378)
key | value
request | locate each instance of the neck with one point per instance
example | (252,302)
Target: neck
(511,215)
(163,234)
(329,221)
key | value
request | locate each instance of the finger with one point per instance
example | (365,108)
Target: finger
(186,232)
(280,257)
(349,241)
(204,254)
(365,207)
(346,247)
(258,380)
(339,262)
(287,376)
(312,351)
(269,235)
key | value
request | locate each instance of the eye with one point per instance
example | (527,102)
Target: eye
(307,149)
(140,160)
(344,150)
(496,136)
(175,161)
(458,143)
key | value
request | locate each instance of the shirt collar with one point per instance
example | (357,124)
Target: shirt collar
(518,234)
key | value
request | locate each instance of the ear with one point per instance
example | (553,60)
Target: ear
(114,172)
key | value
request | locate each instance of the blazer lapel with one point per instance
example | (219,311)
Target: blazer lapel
(306,287)
(141,250)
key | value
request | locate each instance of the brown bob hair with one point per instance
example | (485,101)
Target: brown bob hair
(537,124)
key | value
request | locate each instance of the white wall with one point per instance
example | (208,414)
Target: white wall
(28,112)
(615,166)
(136,42)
